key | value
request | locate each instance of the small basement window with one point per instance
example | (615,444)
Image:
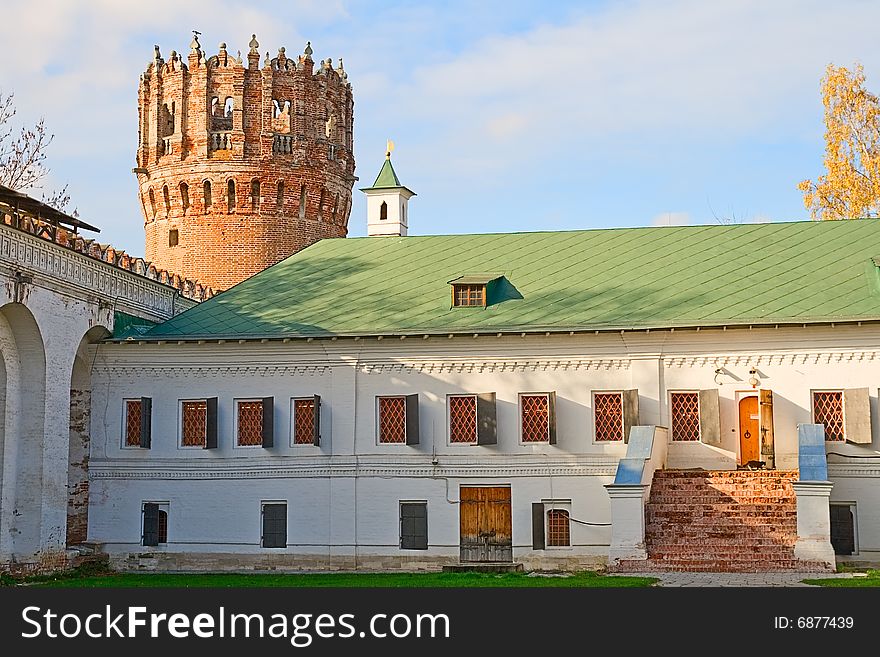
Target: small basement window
(843,528)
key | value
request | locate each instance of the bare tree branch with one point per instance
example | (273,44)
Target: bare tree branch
(23,157)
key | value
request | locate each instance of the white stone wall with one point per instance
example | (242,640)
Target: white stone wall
(51,298)
(342,496)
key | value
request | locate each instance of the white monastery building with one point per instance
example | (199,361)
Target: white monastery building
(684,398)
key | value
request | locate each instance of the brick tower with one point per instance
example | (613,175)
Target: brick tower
(239,165)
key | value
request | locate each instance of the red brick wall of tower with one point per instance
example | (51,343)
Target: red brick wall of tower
(280,132)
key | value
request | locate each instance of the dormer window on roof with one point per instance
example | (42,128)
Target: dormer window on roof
(472,291)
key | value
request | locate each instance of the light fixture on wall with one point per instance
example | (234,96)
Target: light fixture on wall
(753,377)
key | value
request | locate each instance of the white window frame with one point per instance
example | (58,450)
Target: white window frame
(379,418)
(293,401)
(476,439)
(596,441)
(557,505)
(235,402)
(124,441)
(842,392)
(699,417)
(180,403)
(519,414)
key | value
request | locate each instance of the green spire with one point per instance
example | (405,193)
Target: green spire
(387,177)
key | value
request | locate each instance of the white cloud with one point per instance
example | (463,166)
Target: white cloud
(671,219)
(644,72)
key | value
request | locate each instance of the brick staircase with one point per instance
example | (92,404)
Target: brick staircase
(721,521)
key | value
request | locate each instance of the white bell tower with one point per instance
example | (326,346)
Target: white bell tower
(387,202)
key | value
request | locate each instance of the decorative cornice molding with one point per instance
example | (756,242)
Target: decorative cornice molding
(497,365)
(803,358)
(88,276)
(208,371)
(868,468)
(327,468)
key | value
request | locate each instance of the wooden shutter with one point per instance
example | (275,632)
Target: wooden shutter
(537,525)
(211,423)
(551,411)
(857,416)
(710,418)
(151,524)
(414,526)
(487,425)
(412,419)
(630,412)
(274,525)
(268,421)
(316,421)
(146,422)
(768,449)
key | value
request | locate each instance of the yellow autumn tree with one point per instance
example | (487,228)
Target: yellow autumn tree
(851,186)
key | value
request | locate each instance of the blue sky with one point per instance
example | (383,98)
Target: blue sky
(506,115)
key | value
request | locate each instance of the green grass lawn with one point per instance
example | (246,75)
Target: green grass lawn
(88,579)
(873,579)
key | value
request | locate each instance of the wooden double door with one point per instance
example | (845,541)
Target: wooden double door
(485,529)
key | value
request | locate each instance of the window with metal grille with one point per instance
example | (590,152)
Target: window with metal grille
(685,413)
(608,408)
(828,410)
(468,295)
(413,525)
(194,423)
(463,419)
(274,525)
(132,422)
(558,532)
(304,421)
(250,423)
(392,420)
(535,418)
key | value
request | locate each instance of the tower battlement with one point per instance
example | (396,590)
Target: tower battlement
(240,164)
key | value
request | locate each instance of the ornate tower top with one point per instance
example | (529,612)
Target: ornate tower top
(240,166)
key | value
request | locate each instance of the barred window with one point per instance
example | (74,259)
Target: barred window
(685,413)
(828,410)
(468,295)
(392,420)
(463,419)
(132,422)
(535,418)
(608,408)
(304,421)
(194,423)
(558,532)
(250,423)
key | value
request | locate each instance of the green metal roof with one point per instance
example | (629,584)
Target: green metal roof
(125,325)
(474,279)
(387,178)
(625,278)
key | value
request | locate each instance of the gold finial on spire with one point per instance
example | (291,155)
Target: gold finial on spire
(389,147)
